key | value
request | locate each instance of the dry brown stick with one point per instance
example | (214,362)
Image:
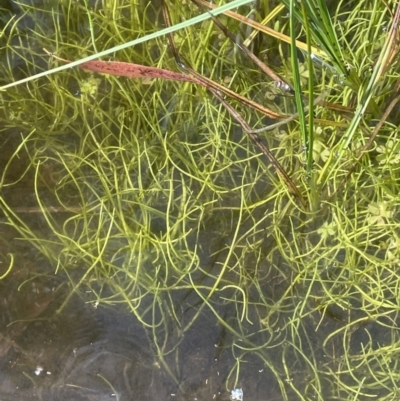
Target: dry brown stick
(279,82)
(257,140)
(264,149)
(288,119)
(253,136)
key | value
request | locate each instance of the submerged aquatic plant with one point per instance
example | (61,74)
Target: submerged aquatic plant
(155,199)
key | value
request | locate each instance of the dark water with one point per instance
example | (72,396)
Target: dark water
(86,352)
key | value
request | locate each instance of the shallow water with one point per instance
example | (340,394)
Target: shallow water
(83,318)
(86,351)
(104,353)
(50,350)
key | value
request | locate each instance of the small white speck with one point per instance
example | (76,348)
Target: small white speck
(261,370)
(49,373)
(206,382)
(217,373)
(38,370)
(173,395)
(237,394)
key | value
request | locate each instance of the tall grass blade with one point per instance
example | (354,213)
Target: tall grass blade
(297,80)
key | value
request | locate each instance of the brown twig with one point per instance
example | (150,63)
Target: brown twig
(279,82)
(253,136)
(264,149)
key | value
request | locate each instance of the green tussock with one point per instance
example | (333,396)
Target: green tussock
(152,193)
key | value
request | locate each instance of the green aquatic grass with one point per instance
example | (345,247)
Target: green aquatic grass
(164,198)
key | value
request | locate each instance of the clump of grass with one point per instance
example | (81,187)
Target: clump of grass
(163,196)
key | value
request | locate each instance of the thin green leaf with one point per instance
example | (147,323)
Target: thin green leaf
(297,79)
